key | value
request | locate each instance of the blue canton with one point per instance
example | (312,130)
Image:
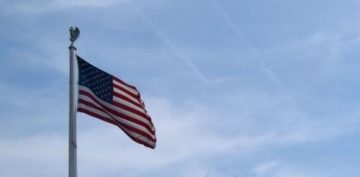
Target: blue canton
(98,81)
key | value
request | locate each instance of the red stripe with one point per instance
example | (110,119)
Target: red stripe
(106,110)
(114,123)
(140,132)
(127,99)
(90,104)
(119,80)
(134,120)
(142,142)
(137,131)
(127,91)
(138,140)
(123,116)
(97,116)
(120,105)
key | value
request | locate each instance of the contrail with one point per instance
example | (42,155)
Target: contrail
(263,66)
(171,45)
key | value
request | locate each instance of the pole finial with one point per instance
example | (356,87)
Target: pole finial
(74,34)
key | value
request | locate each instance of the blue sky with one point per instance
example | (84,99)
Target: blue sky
(235,88)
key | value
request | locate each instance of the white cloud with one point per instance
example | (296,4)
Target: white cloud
(265,168)
(42,155)
(184,138)
(185,134)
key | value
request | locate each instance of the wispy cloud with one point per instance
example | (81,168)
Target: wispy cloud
(262,65)
(44,6)
(181,140)
(265,168)
(32,154)
(162,36)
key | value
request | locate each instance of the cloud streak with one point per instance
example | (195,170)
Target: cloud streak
(186,59)
(40,6)
(256,53)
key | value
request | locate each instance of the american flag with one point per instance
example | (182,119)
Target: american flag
(108,98)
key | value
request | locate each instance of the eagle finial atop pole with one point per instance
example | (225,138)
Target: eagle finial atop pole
(74,34)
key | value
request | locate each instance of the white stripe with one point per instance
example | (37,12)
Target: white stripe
(138,136)
(93,110)
(133,134)
(120,119)
(133,91)
(117,109)
(128,104)
(127,95)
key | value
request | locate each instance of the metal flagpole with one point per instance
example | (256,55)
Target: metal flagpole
(74,34)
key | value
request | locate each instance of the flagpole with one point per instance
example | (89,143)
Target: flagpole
(74,34)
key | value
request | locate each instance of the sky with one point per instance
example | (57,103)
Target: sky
(248,88)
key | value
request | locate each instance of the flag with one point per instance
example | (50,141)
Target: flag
(110,99)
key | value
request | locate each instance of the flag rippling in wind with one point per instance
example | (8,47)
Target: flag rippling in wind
(108,98)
